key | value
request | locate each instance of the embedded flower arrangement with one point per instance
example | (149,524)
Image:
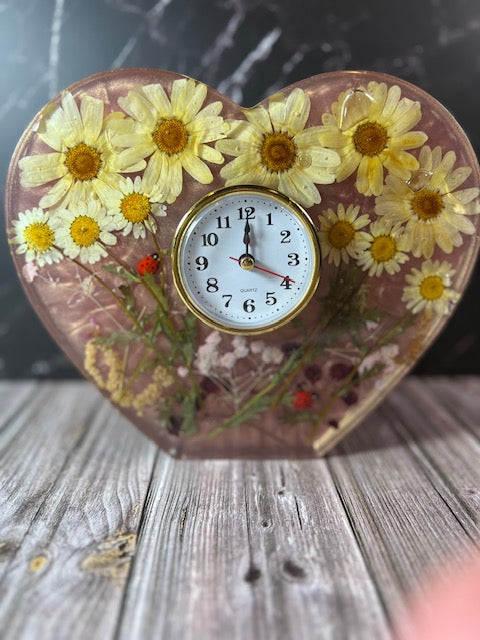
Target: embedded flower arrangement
(107,172)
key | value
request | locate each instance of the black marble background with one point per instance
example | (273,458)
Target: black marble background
(246,49)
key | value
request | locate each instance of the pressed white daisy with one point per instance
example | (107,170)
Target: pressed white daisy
(83,230)
(429,288)
(340,235)
(433,212)
(174,132)
(274,149)
(370,127)
(35,237)
(134,203)
(384,250)
(83,156)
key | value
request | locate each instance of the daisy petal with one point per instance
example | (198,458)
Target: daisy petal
(157,96)
(57,192)
(137,106)
(92,116)
(210,154)
(72,114)
(175,180)
(277,111)
(409,140)
(194,103)
(197,169)
(240,166)
(298,110)
(259,117)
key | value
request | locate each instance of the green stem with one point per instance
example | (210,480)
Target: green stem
(134,319)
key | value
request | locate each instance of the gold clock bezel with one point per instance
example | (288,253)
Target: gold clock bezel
(190,216)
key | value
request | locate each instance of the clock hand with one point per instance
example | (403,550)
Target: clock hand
(246,237)
(273,273)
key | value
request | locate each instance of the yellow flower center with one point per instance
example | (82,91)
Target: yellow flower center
(170,136)
(83,161)
(432,288)
(341,234)
(278,152)
(427,204)
(84,231)
(39,236)
(135,207)
(383,248)
(370,138)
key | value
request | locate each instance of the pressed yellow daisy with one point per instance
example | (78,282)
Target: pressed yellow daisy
(384,250)
(134,203)
(174,132)
(429,288)
(370,127)
(36,237)
(274,149)
(83,230)
(83,157)
(433,211)
(340,235)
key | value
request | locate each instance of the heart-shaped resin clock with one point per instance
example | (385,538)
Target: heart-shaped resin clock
(243,282)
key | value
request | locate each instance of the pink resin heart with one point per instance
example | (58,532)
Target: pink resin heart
(102,177)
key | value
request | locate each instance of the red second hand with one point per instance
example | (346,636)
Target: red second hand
(273,273)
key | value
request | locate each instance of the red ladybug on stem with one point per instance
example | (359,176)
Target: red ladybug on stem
(148,264)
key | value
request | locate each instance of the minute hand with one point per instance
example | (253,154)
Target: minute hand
(273,273)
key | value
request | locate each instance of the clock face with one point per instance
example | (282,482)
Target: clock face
(246,259)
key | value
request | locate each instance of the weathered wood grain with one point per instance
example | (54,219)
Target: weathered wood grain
(74,477)
(248,550)
(102,536)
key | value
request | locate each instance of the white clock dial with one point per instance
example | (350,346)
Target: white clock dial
(246,259)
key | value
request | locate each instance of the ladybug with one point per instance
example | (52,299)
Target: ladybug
(148,264)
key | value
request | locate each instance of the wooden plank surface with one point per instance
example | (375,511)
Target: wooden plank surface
(103,536)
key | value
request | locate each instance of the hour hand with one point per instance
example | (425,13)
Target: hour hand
(246,237)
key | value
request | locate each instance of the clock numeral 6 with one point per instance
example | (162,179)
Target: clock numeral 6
(249,306)
(212,285)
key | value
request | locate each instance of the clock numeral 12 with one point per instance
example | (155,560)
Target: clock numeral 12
(246,214)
